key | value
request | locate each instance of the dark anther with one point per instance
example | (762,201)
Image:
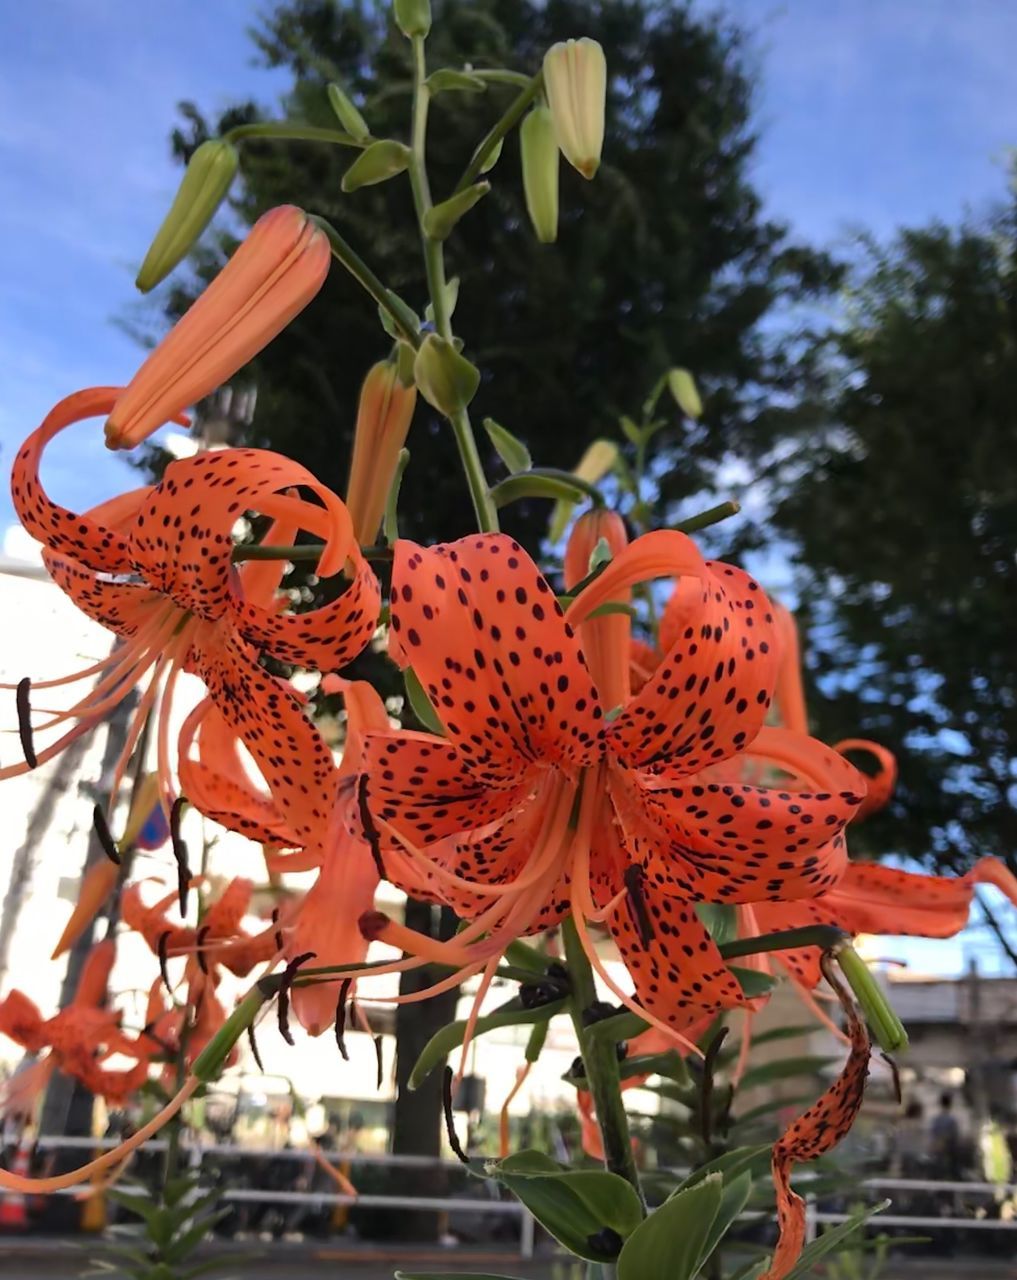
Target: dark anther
(200,945)
(637,903)
(22,700)
(340,1017)
(283,1002)
(895,1072)
(164,938)
(598,1011)
(605,1242)
(543,990)
(180,853)
(621,1050)
(103,835)
(367,822)
(279,940)
(380,1077)
(254,1048)
(450,1124)
(577,1071)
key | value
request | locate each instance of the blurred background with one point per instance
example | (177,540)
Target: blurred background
(811,206)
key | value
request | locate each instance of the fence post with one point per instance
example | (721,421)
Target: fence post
(526,1235)
(811,1227)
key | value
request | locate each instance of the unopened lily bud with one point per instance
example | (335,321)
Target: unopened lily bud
(539,152)
(349,117)
(683,388)
(575,80)
(271,278)
(606,640)
(206,180)
(377,163)
(383,421)
(413,17)
(447,380)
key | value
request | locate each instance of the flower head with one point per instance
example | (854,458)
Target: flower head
(271,278)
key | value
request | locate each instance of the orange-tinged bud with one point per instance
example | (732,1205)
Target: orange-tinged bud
(575,80)
(271,278)
(383,420)
(97,884)
(606,640)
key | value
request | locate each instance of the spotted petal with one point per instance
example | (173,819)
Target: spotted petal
(482,630)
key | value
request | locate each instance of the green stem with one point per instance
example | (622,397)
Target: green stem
(305,551)
(498,130)
(400,313)
(500,76)
(285,131)
(723,511)
(434,265)
(826,936)
(600,1062)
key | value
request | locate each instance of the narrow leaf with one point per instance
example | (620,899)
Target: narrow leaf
(670,1243)
(510,448)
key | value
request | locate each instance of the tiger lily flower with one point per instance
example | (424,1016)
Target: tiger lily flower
(80,1037)
(271,278)
(154,567)
(544,801)
(325,921)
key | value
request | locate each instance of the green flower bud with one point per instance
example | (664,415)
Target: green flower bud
(204,185)
(887,1029)
(575,79)
(376,163)
(682,386)
(439,221)
(413,17)
(447,380)
(349,117)
(539,152)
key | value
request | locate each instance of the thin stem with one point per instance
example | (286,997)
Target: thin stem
(600,1062)
(501,76)
(826,936)
(400,313)
(305,551)
(498,130)
(723,511)
(434,265)
(285,131)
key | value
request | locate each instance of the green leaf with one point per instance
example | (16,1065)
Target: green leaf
(622,1026)
(584,1209)
(831,1240)
(530,485)
(349,117)
(494,155)
(631,430)
(451,298)
(510,448)
(440,220)
(729,1165)
(599,459)
(751,1271)
(733,1200)
(186,1242)
(784,1069)
(423,707)
(141,1205)
(377,163)
(446,78)
(720,920)
(441,1044)
(768,1107)
(670,1244)
(753,982)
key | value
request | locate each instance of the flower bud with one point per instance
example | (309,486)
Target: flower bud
(413,17)
(605,640)
(447,380)
(539,152)
(682,386)
(383,420)
(575,80)
(377,163)
(206,180)
(271,278)
(349,117)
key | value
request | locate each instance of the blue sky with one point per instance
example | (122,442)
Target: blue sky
(873,113)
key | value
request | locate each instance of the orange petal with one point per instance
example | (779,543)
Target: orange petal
(606,641)
(98,883)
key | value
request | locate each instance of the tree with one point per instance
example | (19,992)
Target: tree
(904,517)
(666,257)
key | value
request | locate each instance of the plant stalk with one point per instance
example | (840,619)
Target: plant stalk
(600,1062)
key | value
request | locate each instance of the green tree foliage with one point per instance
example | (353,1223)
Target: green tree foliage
(665,258)
(904,513)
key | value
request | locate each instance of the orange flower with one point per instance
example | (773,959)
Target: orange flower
(383,421)
(154,566)
(271,278)
(534,807)
(80,1037)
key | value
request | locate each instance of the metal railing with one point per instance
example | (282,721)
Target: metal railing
(815,1217)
